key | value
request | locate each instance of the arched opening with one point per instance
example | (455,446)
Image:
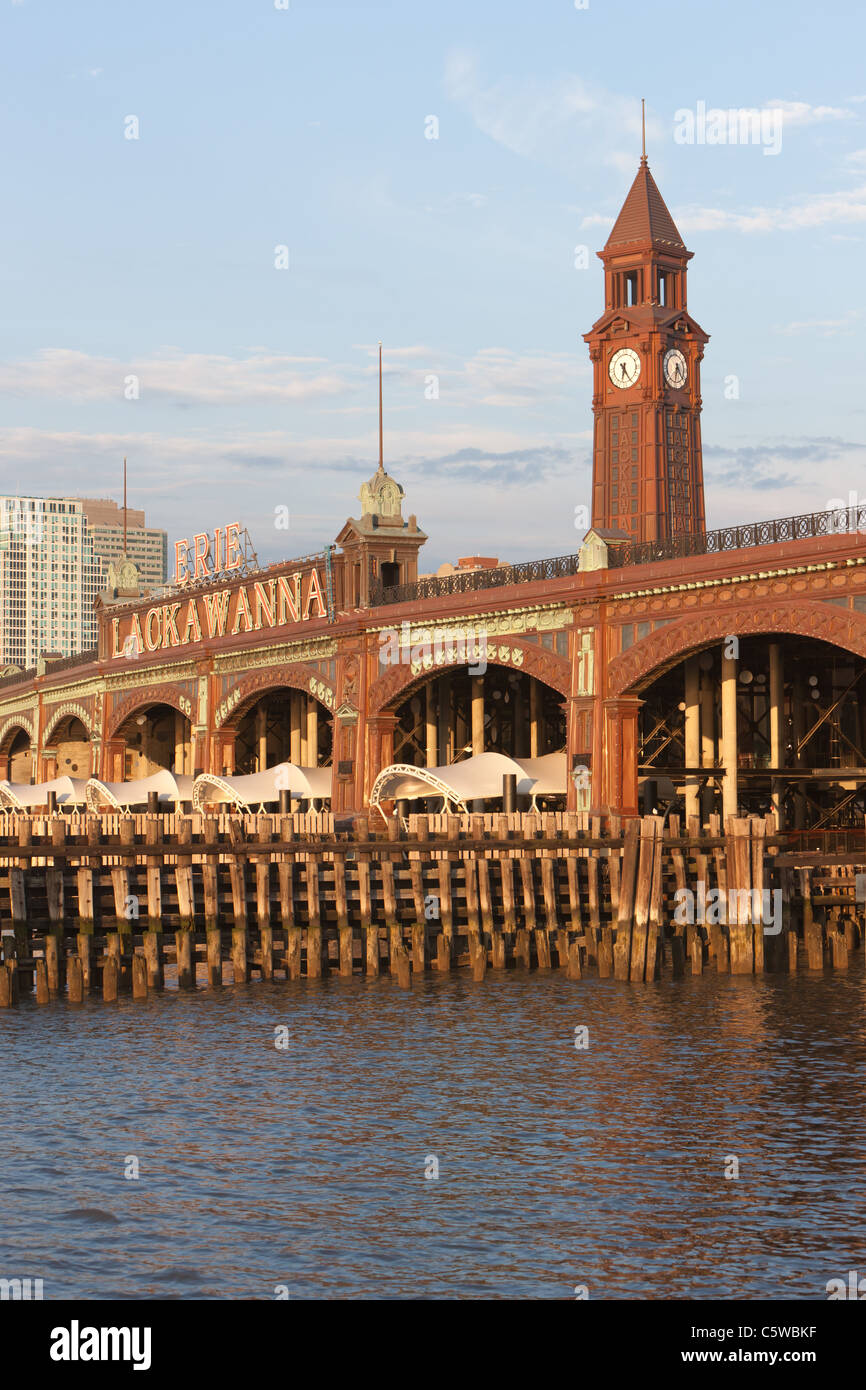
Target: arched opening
(69,742)
(283,725)
(16,757)
(793,724)
(453,715)
(156,736)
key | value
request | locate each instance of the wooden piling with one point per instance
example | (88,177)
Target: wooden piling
(637,964)
(152,934)
(75,979)
(291,927)
(210,894)
(54,935)
(316,961)
(627,891)
(263,903)
(400,967)
(139,977)
(110,973)
(185,935)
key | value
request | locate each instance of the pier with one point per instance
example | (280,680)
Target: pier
(107,904)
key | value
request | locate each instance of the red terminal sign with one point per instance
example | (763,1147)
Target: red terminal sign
(204,562)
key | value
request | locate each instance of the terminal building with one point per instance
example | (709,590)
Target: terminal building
(722,667)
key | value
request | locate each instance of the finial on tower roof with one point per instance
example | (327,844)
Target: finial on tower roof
(381,450)
(642,131)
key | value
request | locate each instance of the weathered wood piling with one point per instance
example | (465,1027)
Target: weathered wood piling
(107,905)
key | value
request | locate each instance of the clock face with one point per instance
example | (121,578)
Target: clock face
(624,368)
(676,371)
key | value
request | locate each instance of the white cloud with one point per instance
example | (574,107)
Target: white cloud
(203,378)
(827,328)
(563,122)
(815,210)
(801,113)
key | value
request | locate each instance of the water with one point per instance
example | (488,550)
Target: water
(558,1167)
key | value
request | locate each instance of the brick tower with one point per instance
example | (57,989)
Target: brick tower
(646,349)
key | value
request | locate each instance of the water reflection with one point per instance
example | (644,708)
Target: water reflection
(557,1166)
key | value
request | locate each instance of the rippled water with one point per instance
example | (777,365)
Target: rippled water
(558,1167)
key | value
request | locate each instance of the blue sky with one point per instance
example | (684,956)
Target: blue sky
(305,128)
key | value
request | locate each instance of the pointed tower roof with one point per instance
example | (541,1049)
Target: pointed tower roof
(644,217)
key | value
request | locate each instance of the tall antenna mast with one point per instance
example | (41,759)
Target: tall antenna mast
(124,506)
(381,450)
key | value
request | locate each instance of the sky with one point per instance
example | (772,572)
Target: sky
(212,212)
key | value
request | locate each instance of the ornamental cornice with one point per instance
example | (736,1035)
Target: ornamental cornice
(152,675)
(283,654)
(781,575)
(504,622)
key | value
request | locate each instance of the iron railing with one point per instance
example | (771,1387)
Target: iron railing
(467,581)
(622,554)
(62,663)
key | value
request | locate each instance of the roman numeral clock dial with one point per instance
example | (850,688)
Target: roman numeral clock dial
(624,368)
(676,371)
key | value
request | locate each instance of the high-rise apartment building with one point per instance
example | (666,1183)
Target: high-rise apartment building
(146,546)
(54,559)
(49,579)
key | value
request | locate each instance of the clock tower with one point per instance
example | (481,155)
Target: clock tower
(646,349)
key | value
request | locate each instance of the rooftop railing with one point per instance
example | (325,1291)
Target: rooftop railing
(60,663)
(623,554)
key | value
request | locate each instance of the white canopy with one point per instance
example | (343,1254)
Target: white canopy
(478,777)
(171,787)
(258,788)
(547,774)
(17,796)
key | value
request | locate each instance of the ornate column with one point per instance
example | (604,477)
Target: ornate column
(578,786)
(380,747)
(344,759)
(197,749)
(223,752)
(618,781)
(113,758)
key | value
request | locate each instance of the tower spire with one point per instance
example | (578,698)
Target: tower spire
(381,450)
(124,506)
(642,131)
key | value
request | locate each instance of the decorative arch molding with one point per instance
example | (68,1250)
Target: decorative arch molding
(248,689)
(66,711)
(633,669)
(400,680)
(17,721)
(150,695)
